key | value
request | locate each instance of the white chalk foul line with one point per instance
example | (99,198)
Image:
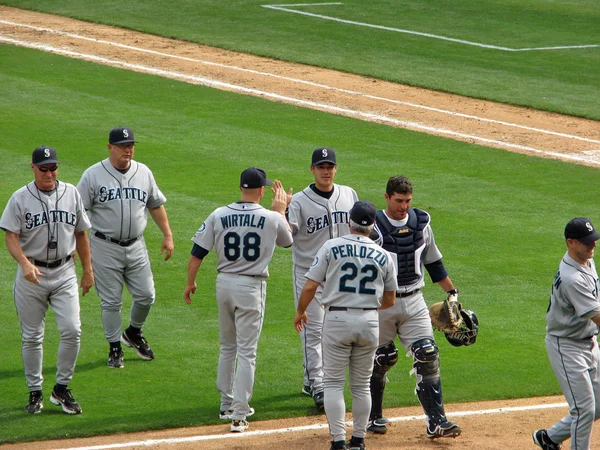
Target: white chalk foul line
(286,8)
(320,426)
(300,81)
(322,106)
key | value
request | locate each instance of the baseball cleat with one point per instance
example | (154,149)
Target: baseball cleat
(319,399)
(354,444)
(35,404)
(541,439)
(115,358)
(307,389)
(66,400)
(338,445)
(237,426)
(139,344)
(378,426)
(228,414)
(444,429)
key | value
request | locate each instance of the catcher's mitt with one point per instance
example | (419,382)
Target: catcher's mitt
(445,316)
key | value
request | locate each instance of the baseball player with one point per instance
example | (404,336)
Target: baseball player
(573,318)
(244,235)
(358,277)
(119,192)
(406,233)
(316,214)
(45,222)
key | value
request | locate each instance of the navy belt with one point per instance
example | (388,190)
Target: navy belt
(406,294)
(342,308)
(115,241)
(50,264)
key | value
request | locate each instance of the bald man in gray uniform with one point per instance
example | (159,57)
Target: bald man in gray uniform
(244,235)
(358,277)
(119,193)
(45,222)
(573,319)
(316,214)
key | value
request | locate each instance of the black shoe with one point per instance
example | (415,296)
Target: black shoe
(139,344)
(338,445)
(444,429)
(35,404)
(307,389)
(319,399)
(541,439)
(66,400)
(355,445)
(115,358)
(378,426)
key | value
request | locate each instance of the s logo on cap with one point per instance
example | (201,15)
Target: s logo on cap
(47,153)
(589,227)
(324,153)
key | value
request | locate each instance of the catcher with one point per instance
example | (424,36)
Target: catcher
(406,232)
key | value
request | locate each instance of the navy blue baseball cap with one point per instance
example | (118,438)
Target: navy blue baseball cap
(363,213)
(121,135)
(323,155)
(581,228)
(253,178)
(44,155)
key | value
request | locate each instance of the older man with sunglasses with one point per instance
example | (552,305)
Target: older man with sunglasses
(45,222)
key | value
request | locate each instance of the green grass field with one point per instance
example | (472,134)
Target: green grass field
(563,80)
(498,219)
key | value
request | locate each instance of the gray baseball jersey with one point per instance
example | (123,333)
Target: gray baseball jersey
(571,342)
(40,217)
(355,272)
(314,220)
(118,204)
(244,236)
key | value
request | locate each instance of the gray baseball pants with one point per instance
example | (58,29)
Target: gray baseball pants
(576,364)
(311,334)
(58,289)
(241,305)
(350,339)
(115,266)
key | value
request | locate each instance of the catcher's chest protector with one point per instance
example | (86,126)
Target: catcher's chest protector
(404,241)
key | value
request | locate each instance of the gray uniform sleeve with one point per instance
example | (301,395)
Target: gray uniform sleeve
(11,217)
(205,236)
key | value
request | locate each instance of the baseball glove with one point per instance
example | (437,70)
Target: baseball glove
(445,316)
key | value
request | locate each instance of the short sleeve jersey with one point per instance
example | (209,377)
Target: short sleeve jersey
(244,235)
(39,217)
(574,296)
(315,219)
(118,202)
(355,272)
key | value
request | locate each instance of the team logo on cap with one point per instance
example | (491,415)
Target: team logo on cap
(324,153)
(47,153)
(589,227)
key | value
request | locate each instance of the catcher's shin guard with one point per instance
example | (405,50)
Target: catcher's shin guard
(386,356)
(430,397)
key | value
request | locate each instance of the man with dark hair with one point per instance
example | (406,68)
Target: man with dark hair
(406,232)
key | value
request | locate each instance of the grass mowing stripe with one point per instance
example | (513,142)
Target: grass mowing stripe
(498,219)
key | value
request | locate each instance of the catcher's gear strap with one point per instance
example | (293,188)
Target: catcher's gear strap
(386,356)
(425,360)
(445,316)
(404,241)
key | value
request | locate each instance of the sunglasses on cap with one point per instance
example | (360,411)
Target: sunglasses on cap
(46,169)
